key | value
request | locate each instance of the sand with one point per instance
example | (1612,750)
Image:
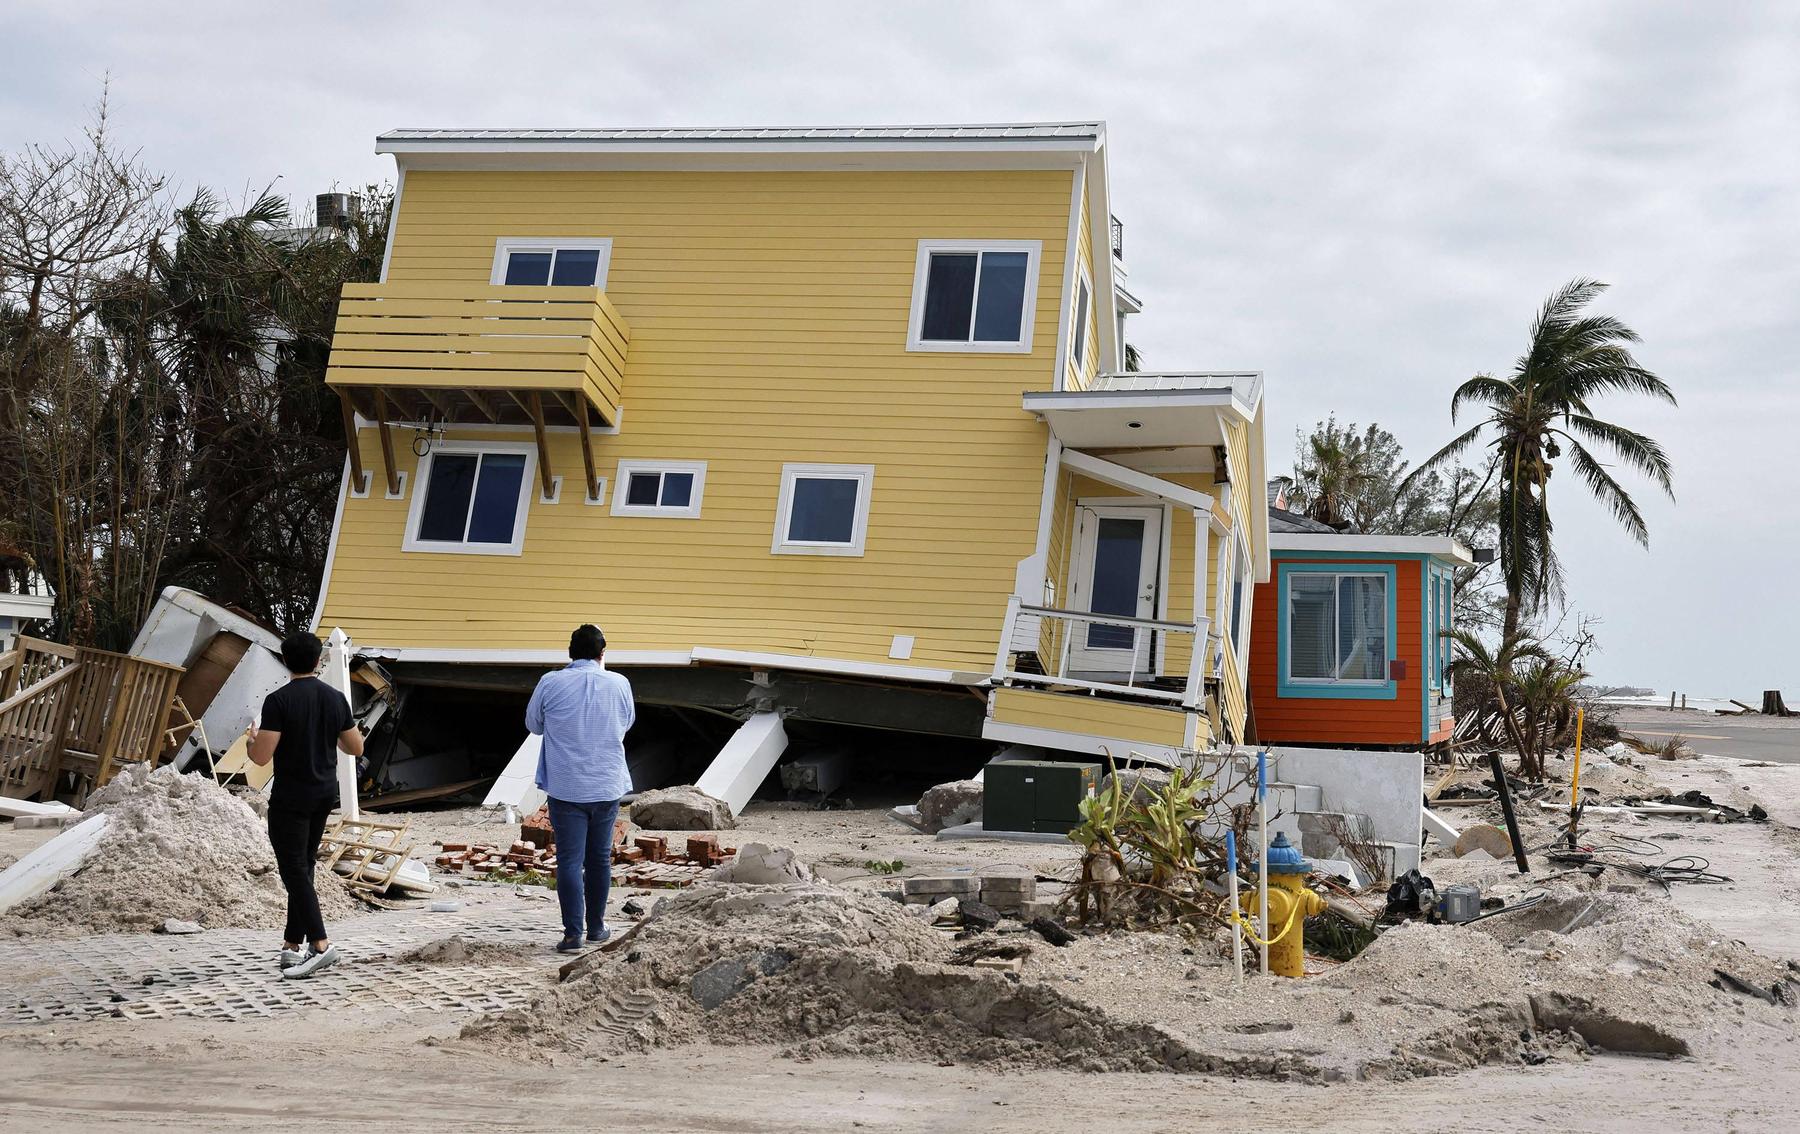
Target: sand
(176,846)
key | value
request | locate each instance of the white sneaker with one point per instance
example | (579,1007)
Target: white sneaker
(313,963)
(292,957)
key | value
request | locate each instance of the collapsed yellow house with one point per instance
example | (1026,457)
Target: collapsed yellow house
(829,424)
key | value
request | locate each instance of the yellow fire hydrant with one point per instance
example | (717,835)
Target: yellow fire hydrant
(1290,904)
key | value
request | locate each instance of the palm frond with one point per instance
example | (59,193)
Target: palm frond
(1482,388)
(1609,492)
(1641,452)
(1442,457)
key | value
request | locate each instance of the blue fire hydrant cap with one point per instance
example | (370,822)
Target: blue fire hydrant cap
(1284,857)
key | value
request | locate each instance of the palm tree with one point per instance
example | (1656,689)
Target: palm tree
(1339,470)
(1499,669)
(1539,410)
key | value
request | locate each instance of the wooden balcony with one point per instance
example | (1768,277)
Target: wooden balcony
(477,354)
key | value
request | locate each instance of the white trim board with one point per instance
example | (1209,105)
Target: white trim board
(1034,255)
(415,510)
(505,246)
(1131,480)
(337,525)
(1442,547)
(622,488)
(863,475)
(1059,380)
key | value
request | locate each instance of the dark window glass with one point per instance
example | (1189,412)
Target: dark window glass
(824,510)
(1002,303)
(1312,606)
(640,492)
(1081,312)
(491,520)
(1118,568)
(528,268)
(677,489)
(446,510)
(949,296)
(576,267)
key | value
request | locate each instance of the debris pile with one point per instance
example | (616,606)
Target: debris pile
(645,861)
(681,809)
(175,847)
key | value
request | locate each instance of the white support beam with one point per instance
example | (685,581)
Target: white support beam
(337,675)
(1191,696)
(517,785)
(745,761)
(1141,483)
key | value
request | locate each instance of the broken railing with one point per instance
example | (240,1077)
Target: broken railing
(1165,660)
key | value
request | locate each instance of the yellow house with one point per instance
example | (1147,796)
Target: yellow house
(827,423)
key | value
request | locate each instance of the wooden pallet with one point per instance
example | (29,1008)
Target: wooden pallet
(373,851)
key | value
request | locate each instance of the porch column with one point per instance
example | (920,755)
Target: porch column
(1197,656)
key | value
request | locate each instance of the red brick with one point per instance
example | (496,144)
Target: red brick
(655,847)
(621,831)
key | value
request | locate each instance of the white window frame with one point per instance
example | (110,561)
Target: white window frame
(864,475)
(622,486)
(1078,331)
(1034,250)
(528,487)
(507,245)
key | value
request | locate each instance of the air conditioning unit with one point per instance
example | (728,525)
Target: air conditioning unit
(338,210)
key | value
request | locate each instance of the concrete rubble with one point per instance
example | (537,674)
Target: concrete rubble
(681,809)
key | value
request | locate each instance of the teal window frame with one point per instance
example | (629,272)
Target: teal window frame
(1384,690)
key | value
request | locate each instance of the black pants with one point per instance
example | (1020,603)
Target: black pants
(294,834)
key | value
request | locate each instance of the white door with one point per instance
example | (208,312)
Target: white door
(1117,554)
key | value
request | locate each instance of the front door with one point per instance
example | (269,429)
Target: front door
(1117,552)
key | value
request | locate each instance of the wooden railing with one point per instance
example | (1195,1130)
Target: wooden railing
(83,711)
(1141,681)
(444,340)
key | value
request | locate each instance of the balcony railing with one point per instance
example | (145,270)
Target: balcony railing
(479,353)
(1141,680)
(1117,228)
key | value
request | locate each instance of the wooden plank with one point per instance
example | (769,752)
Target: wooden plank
(387,442)
(351,440)
(536,409)
(591,489)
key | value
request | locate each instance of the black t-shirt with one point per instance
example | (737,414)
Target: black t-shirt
(309,715)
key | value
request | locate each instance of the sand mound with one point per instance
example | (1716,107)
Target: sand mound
(459,950)
(176,846)
(823,971)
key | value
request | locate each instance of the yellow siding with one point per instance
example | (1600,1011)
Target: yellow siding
(768,315)
(1082,376)
(1093,716)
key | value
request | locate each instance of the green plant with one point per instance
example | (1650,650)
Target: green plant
(876,866)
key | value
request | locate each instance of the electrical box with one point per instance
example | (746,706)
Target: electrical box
(1035,795)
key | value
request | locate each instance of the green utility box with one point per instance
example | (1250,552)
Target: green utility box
(1035,795)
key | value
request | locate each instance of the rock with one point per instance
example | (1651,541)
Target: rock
(950,805)
(177,926)
(681,809)
(632,908)
(941,910)
(1052,930)
(1140,785)
(759,864)
(977,914)
(1483,836)
(721,980)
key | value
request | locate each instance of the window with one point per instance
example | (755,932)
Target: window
(974,295)
(473,500)
(562,263)
(659,488)
(1337,627)
(1082,299)
(823,509)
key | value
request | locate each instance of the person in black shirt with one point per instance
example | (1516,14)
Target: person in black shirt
(303,725)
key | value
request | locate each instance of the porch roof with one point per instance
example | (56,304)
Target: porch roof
(1148,410)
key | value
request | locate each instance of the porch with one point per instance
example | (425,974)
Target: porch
(1122,632)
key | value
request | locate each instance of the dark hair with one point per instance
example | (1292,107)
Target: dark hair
(586,642)
(300,652)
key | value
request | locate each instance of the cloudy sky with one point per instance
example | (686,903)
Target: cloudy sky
(1366,201)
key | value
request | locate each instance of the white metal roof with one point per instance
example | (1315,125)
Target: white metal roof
(730,136)
(1244,385)
(1441,547)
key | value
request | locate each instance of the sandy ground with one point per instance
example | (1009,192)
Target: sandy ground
(411,1074)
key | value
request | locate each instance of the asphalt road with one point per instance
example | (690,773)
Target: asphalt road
(1749,738)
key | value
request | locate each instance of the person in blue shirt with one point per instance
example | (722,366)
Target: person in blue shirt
(583,712)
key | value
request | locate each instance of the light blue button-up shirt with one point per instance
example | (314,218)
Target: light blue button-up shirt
(583,712)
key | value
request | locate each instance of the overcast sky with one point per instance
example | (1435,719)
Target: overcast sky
(1365,201)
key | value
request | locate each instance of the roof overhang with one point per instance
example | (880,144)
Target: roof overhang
(1438,547)
(1152,417)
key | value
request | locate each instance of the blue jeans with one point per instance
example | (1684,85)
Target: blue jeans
(584,837)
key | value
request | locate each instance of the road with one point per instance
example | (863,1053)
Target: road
(1748,738)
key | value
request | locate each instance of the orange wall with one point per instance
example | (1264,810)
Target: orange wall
(1322,720)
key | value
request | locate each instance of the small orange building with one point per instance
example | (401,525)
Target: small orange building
(1349,649)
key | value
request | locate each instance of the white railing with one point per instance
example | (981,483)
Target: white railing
(1056,651)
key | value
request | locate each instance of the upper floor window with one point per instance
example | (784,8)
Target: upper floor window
(472,498)
(823,509)
(1083,297)
(551,260)
(974,295)
(659,488)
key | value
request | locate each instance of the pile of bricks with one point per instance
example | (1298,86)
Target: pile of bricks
(477,861)
(1012,894)
(643,861)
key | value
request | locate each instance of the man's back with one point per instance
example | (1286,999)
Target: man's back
(583,712)
(309,715)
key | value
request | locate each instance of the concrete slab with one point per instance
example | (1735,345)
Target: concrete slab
(976,831)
